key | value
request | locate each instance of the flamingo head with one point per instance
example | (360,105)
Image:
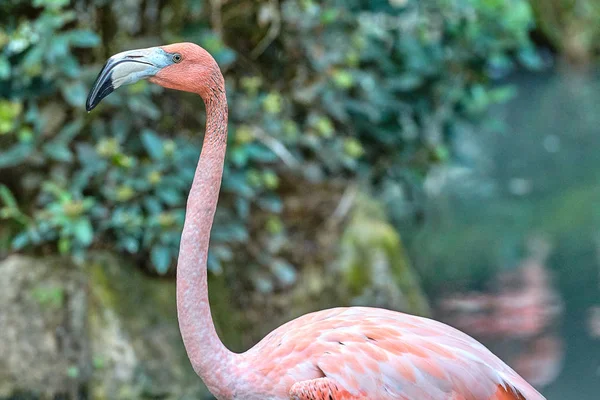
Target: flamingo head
(181,66)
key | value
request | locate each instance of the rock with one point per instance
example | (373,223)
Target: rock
(101,331)
(134,336)
(42,328)
(375,268)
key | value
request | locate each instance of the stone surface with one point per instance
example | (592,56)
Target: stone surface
(104,331)
(42,328)
(373,263)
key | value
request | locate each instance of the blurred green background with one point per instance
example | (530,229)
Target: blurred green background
(437,157)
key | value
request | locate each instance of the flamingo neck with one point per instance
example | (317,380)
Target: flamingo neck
(211,360)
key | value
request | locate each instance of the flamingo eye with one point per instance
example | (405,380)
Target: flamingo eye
(177,58)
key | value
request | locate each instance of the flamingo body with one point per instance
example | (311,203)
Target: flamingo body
(338,354)
(371,353)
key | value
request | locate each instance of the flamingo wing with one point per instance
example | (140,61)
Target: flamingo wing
(321,389)
(388,355)
(326,389)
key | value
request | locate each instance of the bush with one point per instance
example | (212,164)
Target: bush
(358,89)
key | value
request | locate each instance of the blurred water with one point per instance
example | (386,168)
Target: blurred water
(514,246)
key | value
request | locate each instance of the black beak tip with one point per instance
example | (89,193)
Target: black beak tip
(89,104)
(101,88)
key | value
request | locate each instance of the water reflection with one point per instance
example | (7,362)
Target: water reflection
(511,249)
(522,309)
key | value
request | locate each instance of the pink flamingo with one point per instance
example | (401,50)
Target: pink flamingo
(342,353)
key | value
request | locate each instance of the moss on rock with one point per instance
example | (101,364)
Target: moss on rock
(136,348)
(105,330)
(374,264)
(42,315)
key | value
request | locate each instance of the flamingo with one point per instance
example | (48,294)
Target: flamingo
(337,354)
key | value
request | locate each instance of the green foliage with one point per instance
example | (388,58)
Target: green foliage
(316,89)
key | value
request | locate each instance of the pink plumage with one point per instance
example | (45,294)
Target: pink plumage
(342,353)
(376,354)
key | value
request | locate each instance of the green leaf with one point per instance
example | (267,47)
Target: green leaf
(259,152)
(284,271)
(405,82)
(531,59)
(170,196)
(20,241)
(64,245)
(213,264)
(161,259)
(83,38)
(153,144)
(153,205)
(7,197)
(32,62)
(242,206)
(237,183)
(82,229)
(233,232)
(15,155)
(343,79)
(70,66)
(4,68)
(225,57)
(69,131)
(143,106)
(74,93)
(271,203)
(58,49)
(239,156)
(58,152)
(130,244)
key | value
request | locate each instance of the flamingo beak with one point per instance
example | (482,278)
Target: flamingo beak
(126,68)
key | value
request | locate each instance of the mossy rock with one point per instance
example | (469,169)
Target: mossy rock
(43,328)
(136,348)
(104,330)
(374,264)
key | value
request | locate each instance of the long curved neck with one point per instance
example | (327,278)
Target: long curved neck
(211,360)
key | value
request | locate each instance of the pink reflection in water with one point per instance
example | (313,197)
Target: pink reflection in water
(519,320)
(541,361)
